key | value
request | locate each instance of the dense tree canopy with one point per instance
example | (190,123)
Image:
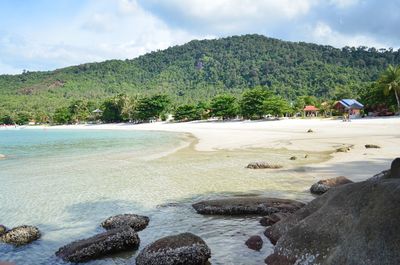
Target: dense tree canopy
(199,70)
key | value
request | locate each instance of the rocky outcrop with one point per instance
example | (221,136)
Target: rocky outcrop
(352,224)
(21,235)
(372,146)
(273,218)
(263,165)
(247,205)
(323,186)
(181,249)
(112,241)
(137,222)
(343,149)
(254,243)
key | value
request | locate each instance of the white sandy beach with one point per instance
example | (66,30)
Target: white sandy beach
(357,164)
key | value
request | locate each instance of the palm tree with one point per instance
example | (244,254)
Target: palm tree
(390,81)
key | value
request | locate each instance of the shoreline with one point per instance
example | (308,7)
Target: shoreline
(291,134)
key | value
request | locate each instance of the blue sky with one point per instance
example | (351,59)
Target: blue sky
(50,34)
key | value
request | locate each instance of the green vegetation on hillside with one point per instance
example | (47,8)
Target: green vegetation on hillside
(197,72)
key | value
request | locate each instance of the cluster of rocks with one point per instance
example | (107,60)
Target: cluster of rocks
(242,206)
(20,235)
(350,224)
(263,165)
(121,235)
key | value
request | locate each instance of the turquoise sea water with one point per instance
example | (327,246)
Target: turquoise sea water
(67,182)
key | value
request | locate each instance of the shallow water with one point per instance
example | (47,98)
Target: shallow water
(67,182)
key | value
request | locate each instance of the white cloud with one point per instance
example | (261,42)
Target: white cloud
(324,34)
(105,29)
(231,16)
(344,3)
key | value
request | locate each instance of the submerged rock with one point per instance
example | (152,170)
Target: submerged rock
(372,146)
(181,249)
(21,235)
(137,222)
(113,241)
(352,224)
(254,243)
(263,165)
(273,218)
(323,186)
(343,149)
(247,205)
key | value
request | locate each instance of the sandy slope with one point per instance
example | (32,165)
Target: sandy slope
(357,164)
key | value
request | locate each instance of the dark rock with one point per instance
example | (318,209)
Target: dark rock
(351,224)
(323,186)
(112,241)
(182,249)
(254,243)
(279,260)
(263,165)
(343,149)
(372,146)
(395,168)
(21,235)
(310,131)
(137,222)
(293,158)
(273,218)
(247,205)
(306,156)
(3,229)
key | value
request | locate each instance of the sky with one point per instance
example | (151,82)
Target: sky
(38,35)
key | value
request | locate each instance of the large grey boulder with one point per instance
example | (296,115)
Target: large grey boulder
(181,249)
(353,224)
(395,168)
(21,235)
(137,222)
(323,186)
(247,205)
(112,241)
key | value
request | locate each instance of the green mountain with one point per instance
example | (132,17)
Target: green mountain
(200,69)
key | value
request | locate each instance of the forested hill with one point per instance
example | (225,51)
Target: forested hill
(200,69)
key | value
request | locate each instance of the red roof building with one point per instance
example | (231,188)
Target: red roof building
(311,108)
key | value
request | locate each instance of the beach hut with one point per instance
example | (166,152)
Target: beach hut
(310,111)
(350,107)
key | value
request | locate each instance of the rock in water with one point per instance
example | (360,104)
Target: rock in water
(137,222)
(247,205)
(372,146)
(353,224)
(254,243)
(273,218)
(395,168)
(112,241)
(182,249)
(310,131)
(323,186)
(293,158)
(263,165)
(3,230)
(21,235)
